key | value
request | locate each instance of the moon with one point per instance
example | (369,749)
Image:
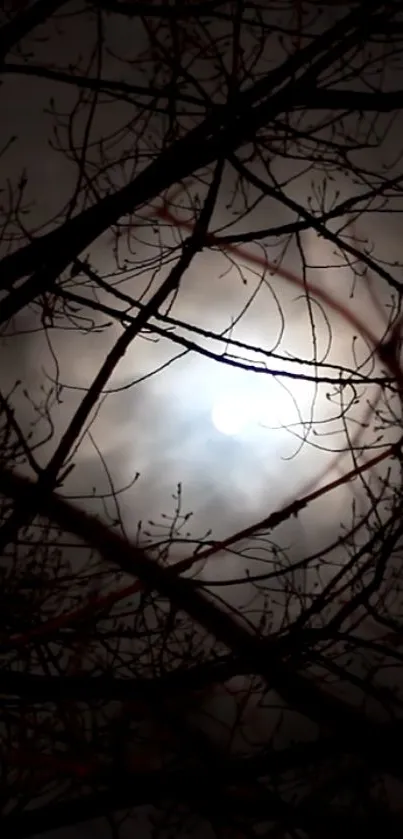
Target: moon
(231,414)
(271,407)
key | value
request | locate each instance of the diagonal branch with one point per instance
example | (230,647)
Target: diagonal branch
(264,657)
(314,223)
(49,476)
(225,129)
(21,25)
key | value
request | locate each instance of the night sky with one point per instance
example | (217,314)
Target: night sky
(65,149)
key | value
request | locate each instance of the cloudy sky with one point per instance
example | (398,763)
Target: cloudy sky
(161,420)
(241,442)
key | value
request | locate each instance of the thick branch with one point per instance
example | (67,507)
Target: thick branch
(265,658)
(353,100)
(52,254)
(21,25)
(89,688)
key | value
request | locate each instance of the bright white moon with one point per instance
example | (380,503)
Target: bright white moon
(272,407)
(231,415)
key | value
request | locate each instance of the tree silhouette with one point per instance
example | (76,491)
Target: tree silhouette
(183,161)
